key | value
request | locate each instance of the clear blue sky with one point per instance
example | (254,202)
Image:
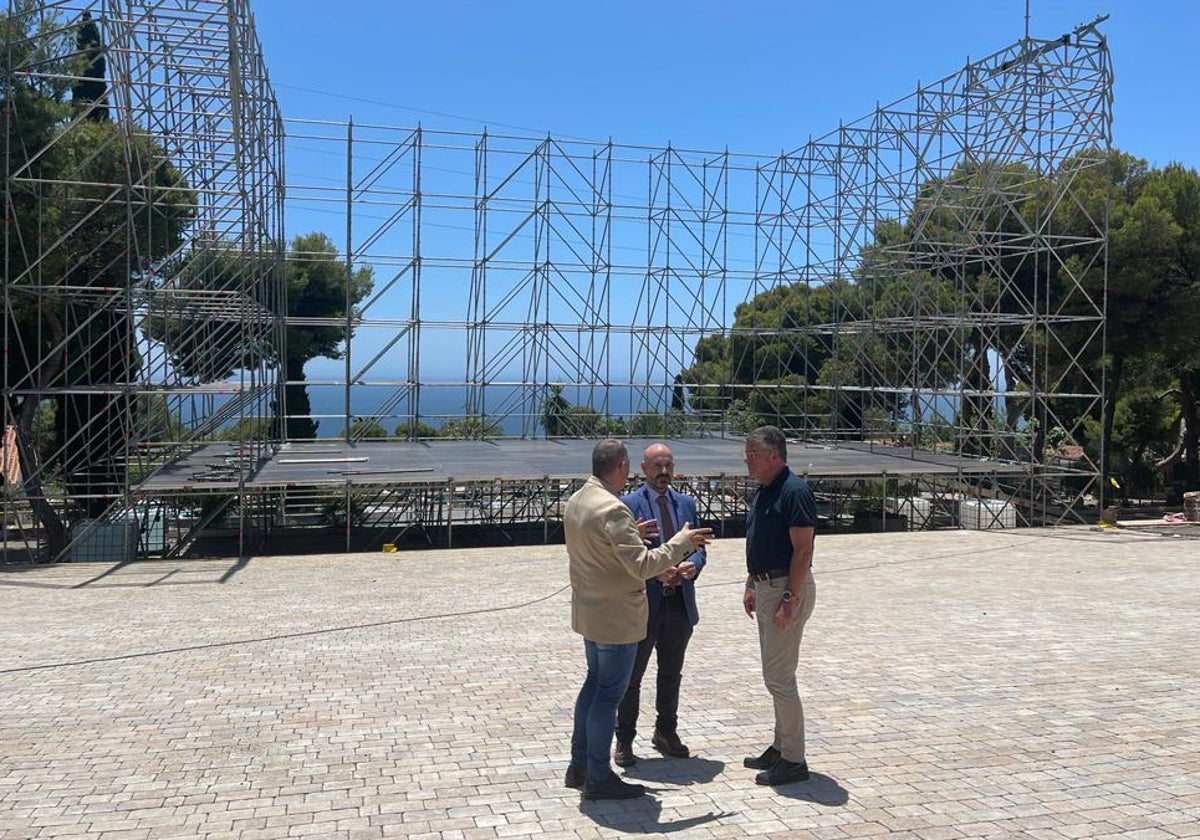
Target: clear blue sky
(751,77)
(756,77)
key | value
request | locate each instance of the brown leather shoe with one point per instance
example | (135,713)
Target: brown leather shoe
(668,743)
(623,754)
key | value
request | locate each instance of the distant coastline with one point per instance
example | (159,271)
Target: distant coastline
(439,403)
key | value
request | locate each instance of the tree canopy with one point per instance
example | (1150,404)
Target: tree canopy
(316,288)
(93,208)
(210,348)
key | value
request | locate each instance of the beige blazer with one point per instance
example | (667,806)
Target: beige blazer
(609,565)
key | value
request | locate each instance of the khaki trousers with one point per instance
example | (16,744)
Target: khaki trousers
(780,651)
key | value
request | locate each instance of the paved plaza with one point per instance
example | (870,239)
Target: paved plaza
(1031,683)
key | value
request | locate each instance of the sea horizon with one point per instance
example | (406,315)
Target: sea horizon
(441,402)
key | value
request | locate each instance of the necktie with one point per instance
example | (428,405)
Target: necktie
(664,513)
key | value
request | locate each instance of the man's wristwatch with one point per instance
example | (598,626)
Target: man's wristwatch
(787,596)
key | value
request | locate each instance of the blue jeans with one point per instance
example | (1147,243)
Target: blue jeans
(608,670)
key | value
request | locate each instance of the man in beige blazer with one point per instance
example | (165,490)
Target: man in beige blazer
(609,566)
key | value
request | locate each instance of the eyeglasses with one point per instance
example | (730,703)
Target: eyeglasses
(752,454)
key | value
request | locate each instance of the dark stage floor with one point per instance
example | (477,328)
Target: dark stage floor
(213,466)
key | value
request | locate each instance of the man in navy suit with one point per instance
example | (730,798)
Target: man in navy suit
(672,601)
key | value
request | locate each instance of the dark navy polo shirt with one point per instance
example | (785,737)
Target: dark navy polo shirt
(787,502)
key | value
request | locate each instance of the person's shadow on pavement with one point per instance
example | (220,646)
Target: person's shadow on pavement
(674,771)
(642,815)
(821,789)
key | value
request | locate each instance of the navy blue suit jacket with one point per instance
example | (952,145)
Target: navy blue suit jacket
(683,509)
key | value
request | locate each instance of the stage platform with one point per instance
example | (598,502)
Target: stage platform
(215,467)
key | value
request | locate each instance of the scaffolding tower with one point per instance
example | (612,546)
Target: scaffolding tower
(142,258)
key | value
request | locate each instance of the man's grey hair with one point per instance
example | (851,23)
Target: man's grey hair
(607,456)
(768,438)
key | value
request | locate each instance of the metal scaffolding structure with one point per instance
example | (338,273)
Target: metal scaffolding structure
(142,274)
(928,279)
(930,276)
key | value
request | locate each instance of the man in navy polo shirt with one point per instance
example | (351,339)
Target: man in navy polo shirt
(779,587)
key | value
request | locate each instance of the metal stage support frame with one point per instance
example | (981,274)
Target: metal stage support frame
(929,278)
(325,495)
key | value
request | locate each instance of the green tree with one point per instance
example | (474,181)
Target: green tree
(470,427)
(71,228)
(211,349)
(32,110)
(415,430)
(791,338)
(774,353)
(318,287)
(912,357)
(246,428)
(1177,314)
(583,421)
(556,413)
(366,428)
(116,245)
(1152,285)
(208,342)
(678,394)
(653,424)
(90,90)
(561,419)
(609,426)
(1141,438)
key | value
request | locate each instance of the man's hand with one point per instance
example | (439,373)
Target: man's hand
(668,577)
(748,601)
(647,529)
(700,537)
(783,615)
(686,570)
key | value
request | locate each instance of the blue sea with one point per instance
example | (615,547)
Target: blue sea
(439,402)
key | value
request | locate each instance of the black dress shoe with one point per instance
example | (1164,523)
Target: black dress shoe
(762,762)
(612,788)
(783,773)
(623,754)
(669,744)
(575,777)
